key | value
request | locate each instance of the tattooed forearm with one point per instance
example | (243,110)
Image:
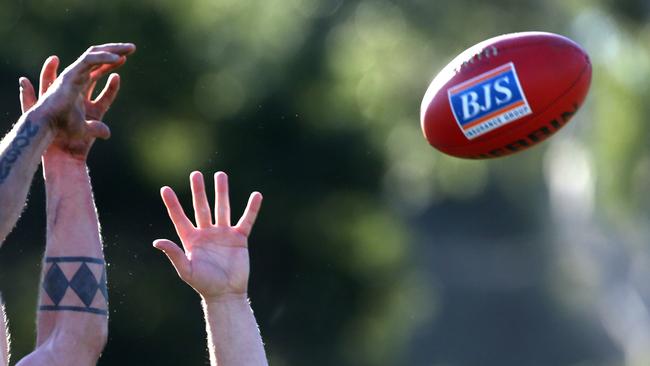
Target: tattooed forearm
(22,140)
(75,284)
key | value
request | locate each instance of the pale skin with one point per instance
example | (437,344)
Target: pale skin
(215,262)
(55,114)
(73,333)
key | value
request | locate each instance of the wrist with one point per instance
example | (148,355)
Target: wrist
(225,299)
(55,156)
(61,165)
(38,120)
(40,116)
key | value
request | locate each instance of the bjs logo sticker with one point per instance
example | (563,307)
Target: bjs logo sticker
(488,101)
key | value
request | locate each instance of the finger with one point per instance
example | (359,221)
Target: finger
(100,72)
(121,49)
(222,201)
(106,69)
(200,201)
(48,74)
(182,224)
(245,224)
(98,129)
(108,94)
(176,255)
(89,61)
(27,94)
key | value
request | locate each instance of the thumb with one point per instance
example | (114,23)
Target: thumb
(98,129)
(175,255)
(27,94)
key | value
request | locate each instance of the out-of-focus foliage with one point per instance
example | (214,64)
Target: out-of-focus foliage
(372,248)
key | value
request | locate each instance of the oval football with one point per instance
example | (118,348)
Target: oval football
(505,94)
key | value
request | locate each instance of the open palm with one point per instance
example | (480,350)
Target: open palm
(215,261)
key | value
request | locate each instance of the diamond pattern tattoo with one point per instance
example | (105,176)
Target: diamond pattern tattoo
(83,283)
(55,283)
(103,285)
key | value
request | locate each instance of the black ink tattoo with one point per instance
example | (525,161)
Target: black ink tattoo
(84,284)
(22,139)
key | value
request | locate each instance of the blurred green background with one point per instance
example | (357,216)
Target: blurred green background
(372,248)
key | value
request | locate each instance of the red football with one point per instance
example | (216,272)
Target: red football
(505,94)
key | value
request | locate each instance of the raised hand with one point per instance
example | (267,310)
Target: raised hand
(66,99)
(215,261)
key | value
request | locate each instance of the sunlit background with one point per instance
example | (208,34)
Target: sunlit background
(372,247)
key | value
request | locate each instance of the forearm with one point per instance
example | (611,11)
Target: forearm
(73,305)
(72,222)
(20,153)
(233,335)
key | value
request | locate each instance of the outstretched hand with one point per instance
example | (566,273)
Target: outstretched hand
(66,99)
(215,261)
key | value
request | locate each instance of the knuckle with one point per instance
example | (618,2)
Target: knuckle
(66,77)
